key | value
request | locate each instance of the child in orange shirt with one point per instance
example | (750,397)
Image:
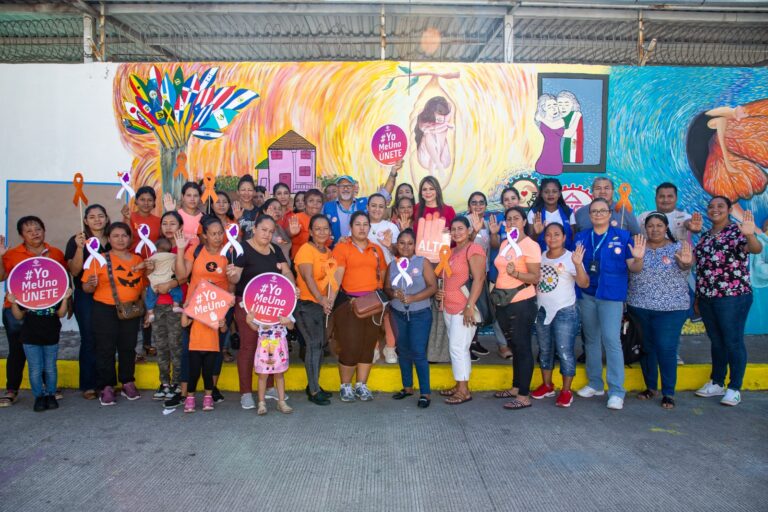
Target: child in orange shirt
(203,351)
(271,359)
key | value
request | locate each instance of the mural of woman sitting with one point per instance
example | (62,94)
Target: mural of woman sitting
(552,127)
(573,137)
(431,132)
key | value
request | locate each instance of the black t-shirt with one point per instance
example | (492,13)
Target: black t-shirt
(69,253)
(41,327)
(254,263)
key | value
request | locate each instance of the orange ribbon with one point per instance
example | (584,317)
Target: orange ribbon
(79,194)
(624,190)
(329,279)
(209,182)
(181,166)
(443,266)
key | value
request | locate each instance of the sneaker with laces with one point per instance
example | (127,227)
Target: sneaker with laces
(162,392)
(710,389)
(543,391)
(246,401)
(564,399)
(376,355)
(173,390)
(208,403)
(189,404)
(473,357)
(107,396)
(271,394)
(616,403)
(589,392)
(390,355)
(130,392)
(362,392)
(479,350)
(217,396)
(731,398)
(346,394)
(173,402)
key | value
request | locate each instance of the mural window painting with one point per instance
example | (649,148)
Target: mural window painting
(277,155)
(572,116)
(305,170)
(306,155)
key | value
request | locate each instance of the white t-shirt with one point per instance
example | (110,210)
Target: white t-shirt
(550,217)
(677,221)
(376,235)
(557,286)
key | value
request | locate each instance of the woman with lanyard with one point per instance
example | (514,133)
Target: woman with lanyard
(360,271)
(260,256)
(658,298)
(609,254)
(467,260)
(189,210)
(110,332)
(519,266)
(197,263)
(550,207)
(95,225)
(313,277)
(724,295)
(32,232)
(410,283)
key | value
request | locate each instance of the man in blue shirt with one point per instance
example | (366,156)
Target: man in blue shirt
(623,219)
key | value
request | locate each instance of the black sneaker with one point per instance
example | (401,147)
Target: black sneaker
(51,402)
(41,404)
(318,399)
(174,402)
(479,350)
(322,393)
(217,396)
(473,357)
(161,392)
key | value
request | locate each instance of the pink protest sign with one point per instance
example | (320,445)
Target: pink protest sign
(38,283)
(389,144)
(269,296)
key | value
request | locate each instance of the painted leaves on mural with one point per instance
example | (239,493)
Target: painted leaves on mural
(411,82)
(176,108)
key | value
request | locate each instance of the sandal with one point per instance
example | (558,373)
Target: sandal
(646,395)
(507,393)
(449,392)
(457,399)
(8,399)
(668,402)
(89,394)
(516,404)
(401,394)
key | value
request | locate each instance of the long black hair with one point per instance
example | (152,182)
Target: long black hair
(538,204)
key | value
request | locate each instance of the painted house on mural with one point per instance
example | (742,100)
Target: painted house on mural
(291,159)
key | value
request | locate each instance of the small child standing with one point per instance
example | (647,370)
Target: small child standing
(271,359)
(40,332)
(164,261)
(203,351)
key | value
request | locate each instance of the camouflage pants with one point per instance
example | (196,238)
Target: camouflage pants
(167,330)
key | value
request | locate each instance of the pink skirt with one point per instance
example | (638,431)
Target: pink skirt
(271,351)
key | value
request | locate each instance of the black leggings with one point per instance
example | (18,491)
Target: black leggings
(110,335)
(200,361)
(516,322)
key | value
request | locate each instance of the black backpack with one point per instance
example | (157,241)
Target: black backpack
(631,339)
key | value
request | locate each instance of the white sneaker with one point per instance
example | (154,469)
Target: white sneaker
(589,392)
(246,401)
(390,356)
(616,403)
(376,355)
(680,361)
(271,394)
(732,398)
(710,389)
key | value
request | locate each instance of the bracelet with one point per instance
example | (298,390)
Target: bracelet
(393,175)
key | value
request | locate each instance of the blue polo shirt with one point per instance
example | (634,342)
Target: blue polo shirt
(339,216)
(611,249)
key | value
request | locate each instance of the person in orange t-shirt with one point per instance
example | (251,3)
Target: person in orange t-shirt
(32,231)
(110,333)
(202,357)
(145,205)
(299,228)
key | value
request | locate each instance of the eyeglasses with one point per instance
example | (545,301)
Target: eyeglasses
(477,203)
(599,212)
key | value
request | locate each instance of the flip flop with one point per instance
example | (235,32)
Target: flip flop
(668,402)
(448,392)
(516,404)
(457,400)
(504,394)
(646,395)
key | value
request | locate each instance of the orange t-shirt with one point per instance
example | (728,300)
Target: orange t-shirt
(303,237)
(360,266)
(531,254)
(203,338)
(210,267)
(16,255)
(454,301)
(309,254)
(153,221)
(129,284)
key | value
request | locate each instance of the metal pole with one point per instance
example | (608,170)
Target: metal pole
(87,39)
(383,35)
(509,38)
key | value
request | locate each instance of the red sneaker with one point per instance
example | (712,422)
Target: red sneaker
(564,399)
(543,391)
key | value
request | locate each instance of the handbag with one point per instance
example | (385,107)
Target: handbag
(370,305)
(500,297)
(125,310)
(482,314)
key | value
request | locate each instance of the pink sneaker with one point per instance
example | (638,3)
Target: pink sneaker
(564,399)
(543,391)
(107,396)
(130,392)
(189,404)
(207,403)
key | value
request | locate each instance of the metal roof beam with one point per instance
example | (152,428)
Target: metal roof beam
(649,14)
(38,9)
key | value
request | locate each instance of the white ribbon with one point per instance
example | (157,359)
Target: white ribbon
(92,245)
(402,267)
(512,236)
(125,186)
(232,231)
(144,232)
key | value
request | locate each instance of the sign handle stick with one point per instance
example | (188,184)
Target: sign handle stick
(329,296)
(82,226)
(442,288)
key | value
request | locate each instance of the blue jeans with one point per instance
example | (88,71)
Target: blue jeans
(724,319)
(87,357)
(150,299)
(601,320)
(42,358)
(412,337)
(559,334)
(661,337)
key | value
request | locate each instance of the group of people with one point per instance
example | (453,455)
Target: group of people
(550,271)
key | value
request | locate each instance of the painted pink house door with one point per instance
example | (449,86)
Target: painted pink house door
(285,177)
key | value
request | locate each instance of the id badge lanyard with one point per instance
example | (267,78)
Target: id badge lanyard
(596,248)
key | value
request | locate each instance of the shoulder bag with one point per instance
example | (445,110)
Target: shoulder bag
(371,304)
(125,310)
(483,315)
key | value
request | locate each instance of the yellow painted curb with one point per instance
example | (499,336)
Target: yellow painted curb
(385,377)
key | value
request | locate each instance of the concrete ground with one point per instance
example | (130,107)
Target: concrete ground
(387,455)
